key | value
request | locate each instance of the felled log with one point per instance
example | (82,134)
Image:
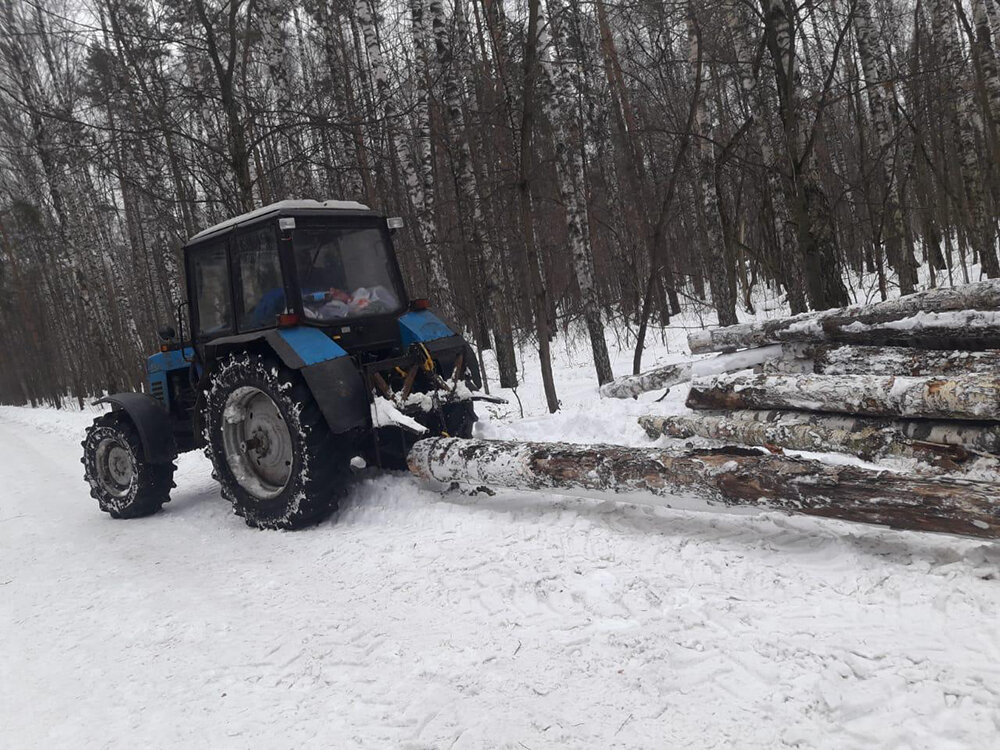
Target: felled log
(716,479)
(960,329)
(943,444)
(631,386)
(983,295)
(833,359)
(974,397)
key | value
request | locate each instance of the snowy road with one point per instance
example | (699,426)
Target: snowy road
(424,621)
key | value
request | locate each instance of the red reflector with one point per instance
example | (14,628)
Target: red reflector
(420,304)
(286,320)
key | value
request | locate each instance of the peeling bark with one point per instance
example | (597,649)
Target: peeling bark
(720,479)
(944,444)
(974,397)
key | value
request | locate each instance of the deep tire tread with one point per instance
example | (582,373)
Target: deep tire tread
(321,472)
(153,481)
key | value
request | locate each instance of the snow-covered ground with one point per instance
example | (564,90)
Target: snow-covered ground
(420,620)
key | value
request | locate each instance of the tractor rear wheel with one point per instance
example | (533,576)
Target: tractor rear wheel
(274,455)
(124,485)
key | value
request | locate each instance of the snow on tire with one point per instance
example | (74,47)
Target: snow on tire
(124,485)
(273,454)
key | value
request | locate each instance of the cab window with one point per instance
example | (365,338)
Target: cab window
(257,273)
(210,274)
(345,272)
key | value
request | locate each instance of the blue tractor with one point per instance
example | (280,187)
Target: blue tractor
(303,359)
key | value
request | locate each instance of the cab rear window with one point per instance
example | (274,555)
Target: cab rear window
(345,272)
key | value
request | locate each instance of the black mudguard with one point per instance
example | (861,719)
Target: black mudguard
(151,421)
(340,392)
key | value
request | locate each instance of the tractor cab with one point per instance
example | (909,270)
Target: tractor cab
(303,356)
(325,265)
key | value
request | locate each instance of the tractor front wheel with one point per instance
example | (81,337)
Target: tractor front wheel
(121,481)
(274,455)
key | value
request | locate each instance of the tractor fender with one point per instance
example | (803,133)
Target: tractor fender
(151,421)
(329,371)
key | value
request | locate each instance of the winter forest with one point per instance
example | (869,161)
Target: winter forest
(558,162)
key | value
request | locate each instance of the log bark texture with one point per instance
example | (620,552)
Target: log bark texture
(827,359)
(944,444)
(975,397)
(716,479)
(984,295)
(680,372)
(960,329)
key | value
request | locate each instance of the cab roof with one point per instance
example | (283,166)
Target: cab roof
(283,207)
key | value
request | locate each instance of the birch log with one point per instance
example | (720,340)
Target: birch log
(941,443)
(975,397)
(721,479)
(983,295)
(826,359)
(681,372)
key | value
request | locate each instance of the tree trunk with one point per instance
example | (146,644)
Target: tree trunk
(784,230)
(472,213)
(965,329)
(965,115)
(723,296)
(960,397)
(631,386)
(984,295)
(832,359)
(539,293)
(809,208)
(415,184)
(723,480)
(944,444)
(878,84)
(425,194)
(561,110)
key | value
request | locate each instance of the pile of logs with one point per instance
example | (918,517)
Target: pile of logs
(915,378)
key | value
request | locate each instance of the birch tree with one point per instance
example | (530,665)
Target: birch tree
(471,209)
(558,100)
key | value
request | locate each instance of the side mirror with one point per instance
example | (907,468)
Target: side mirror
(166,334)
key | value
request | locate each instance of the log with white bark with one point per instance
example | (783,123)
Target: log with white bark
(724,479)
(833,359)
(681,372)
(975,397)
(944,444)
(983,295)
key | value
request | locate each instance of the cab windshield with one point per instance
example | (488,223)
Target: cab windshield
(344,273)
